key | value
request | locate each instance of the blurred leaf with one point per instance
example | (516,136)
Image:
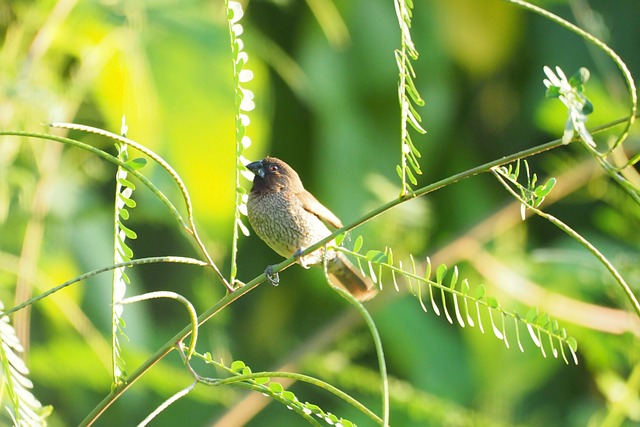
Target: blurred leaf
(137,163)
(480,36)
(237,366)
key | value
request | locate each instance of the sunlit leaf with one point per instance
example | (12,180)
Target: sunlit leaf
(444,307)
(580,77)
(457,310)
(276,387)
(127,231)
(237,365)
(137,163)
(440,273)
(496,330)
(357,245)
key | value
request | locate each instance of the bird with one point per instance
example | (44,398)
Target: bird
(289,219)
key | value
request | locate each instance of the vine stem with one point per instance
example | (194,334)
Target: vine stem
(170,345)
(571,232)
(239,132)
(191,228)
(193,317)
(297,377)
(382,365)
(188,227)
(85,276)
(575,235)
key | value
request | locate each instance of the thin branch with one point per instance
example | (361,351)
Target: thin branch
(191,229)
(382,366)
(172,209)
(575,235)
(152,260)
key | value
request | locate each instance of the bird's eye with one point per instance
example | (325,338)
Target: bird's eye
(273,168)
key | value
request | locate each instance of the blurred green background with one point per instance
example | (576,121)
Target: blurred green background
(326,95)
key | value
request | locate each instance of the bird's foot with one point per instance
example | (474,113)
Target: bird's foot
(298,256)
(272,277)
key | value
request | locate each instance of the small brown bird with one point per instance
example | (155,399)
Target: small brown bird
(289,219)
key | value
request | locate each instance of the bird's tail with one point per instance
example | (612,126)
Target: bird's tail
(343,274)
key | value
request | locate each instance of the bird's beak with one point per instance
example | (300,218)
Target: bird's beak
(256,168)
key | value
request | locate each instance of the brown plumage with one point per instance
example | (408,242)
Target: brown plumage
(289,219)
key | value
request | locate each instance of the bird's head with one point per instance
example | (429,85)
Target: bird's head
(272,174)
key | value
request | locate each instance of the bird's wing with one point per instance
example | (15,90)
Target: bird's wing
(312,205)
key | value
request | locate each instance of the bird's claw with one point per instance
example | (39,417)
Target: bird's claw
(298,256)
(272,277)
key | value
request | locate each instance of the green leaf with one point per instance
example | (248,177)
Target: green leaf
(130,203)
(411,177)
(580,77)
(137,163)
(427,273)
(289,396)
(480,292)
(240,132)
(376,256)
(332,418)
(545,189)
(492,302)
(415,151)
(415,119)
(127,231)
(413,93)
(440,272)
(126,183)
(454,278)
(125,250)
(237,366)
(552,92)
(261,380)
(357,245)
(125,277)
(543,320)
(240,63)
(531,316)
(465,287)
(516,171)
(276,387)
(413,162)
(315,409)
(456,305)
(389,255)
(124,214)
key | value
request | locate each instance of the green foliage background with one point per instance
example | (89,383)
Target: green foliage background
(326,100)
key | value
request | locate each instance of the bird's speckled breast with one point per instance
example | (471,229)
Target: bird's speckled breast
(283,224)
